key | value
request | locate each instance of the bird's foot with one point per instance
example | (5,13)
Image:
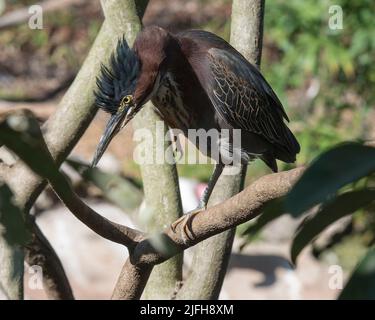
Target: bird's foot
(187,233)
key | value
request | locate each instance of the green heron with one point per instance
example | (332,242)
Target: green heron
(196,80)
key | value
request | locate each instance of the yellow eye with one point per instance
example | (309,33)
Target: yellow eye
(126,100)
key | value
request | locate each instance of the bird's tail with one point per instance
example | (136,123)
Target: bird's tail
(270,161)
(288,151)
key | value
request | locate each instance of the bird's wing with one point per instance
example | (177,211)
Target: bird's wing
(237,90)
(244,99)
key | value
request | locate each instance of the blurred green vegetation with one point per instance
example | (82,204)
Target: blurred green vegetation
(328,191)
(325,78)
(303,54)
(30,59)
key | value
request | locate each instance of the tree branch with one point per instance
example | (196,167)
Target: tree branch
(247,28)
(162,203)
(4,168)
(211,256)
(21,134)
(242,207)
(64,128)
(27,143)
(11,271)
(131,281)
(39,252)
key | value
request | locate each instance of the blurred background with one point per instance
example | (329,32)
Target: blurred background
(325,79)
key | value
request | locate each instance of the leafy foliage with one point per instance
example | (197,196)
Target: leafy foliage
(323,76)
(334,181)
(327,174)
(343,55)
(361,284)
(329,213)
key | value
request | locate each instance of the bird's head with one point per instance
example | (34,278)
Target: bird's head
(131,80)
(115,93)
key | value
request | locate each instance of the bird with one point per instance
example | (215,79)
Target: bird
(195,80)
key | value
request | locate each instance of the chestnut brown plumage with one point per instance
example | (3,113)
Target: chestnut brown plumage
(196,80)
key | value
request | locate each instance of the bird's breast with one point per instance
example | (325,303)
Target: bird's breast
(169,101)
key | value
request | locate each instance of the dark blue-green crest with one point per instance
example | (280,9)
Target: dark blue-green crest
(119,79)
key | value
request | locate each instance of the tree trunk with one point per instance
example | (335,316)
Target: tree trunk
(11,270)
(76,110)
(162,202)
(211,256)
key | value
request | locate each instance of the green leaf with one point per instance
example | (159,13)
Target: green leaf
(12,224)
(341,206)
(361,284)
(328,173)
(115,188)
(272,211)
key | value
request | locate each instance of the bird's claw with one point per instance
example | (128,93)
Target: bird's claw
(187,233)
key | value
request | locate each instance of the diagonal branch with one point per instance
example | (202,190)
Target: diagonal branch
(243,207)
(76,110)
(3,169)
(40,252)
(20,132)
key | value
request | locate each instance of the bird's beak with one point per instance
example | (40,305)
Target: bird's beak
(114,125)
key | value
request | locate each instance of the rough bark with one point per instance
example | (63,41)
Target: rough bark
(241,208)
(211,257)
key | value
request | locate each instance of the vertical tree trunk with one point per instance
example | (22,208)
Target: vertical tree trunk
(247,28)
(211,256)
(162,203)
(11,270)
(63,130)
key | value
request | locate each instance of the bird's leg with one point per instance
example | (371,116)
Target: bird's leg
(186,219)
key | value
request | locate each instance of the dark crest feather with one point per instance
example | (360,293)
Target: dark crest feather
(119,79)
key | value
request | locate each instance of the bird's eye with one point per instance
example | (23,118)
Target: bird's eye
(127,99)
(124,102)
